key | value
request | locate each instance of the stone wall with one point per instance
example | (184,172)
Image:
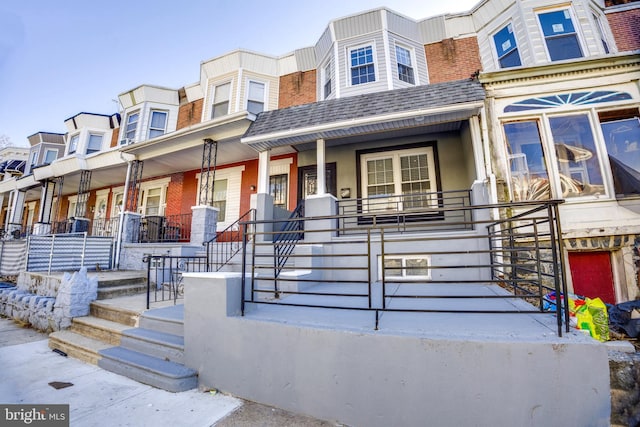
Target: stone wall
(625,388)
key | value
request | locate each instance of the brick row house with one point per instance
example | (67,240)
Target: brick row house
(511,101)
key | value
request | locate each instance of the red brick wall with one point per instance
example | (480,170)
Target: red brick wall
(297,89)
(249,178)
(174,195)
(452,59)
(625,26)
(189,113)
(114,137)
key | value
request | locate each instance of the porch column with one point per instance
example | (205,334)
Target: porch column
(204,221)
(262,202)
(15,215)
(321,164)
(43,226)
(476,143)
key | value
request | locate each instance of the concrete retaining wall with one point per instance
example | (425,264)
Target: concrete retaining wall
(368,378)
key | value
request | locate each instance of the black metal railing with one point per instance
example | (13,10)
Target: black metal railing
(285,240)
(448,210)
(164,275)
(485,266)
(227,243)
(169,228)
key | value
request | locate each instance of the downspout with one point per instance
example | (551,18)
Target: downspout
(121,214)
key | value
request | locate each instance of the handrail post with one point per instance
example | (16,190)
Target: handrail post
(383,268)
(244,267)
(554,256)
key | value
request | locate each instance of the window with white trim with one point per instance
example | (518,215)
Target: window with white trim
(94,144)
(399,180)
(600,31)
(73,143)
(621,133)
(255,97)
(507,47)
(50,155)
(158,123)
(327,73)
(34,158)
(405,67)
(131,126)
(405,267)
(221,94)
(220,188)
(362,65)
(560,34)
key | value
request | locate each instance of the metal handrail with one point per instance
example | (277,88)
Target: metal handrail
(497,265)
(228,242)
(285,241)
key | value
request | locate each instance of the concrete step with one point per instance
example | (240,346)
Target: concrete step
(147,369)
(154,343)
(121,290)
(77,346)
(114,282)
(169,320)
(107,331)
(115,314)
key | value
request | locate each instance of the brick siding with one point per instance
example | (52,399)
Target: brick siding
(452,59)
(297,89)
(189,113)
(625,26)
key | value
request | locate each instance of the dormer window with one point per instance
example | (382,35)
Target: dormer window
(158,123)
(221,100)
(326,80)
(600,31)
(73,143)
(405,68)
(255,97)
(131,126)
(34,158)
(507,47)
(362,65)
(560,35)
(50,155)
(95,143)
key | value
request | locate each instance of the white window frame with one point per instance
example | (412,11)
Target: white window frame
(604,40)
(412,58)
(576,27)
(101,135)
(46,153)
(495,48)
(404,258)
(73,202)
(162,130)
(34,157)
(163,185)
(115,208)
(264,98)
(372,45)
(233,175)
(396,197)
(213,99)
(327,79)
(73,143)
(126,131)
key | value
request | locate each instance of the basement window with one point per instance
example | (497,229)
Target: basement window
(407,267)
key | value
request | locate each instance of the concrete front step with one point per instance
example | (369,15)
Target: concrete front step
(169,320)
(121,290)
(159,344)
(147,369)
(77,346)
(104,330)
(113,313)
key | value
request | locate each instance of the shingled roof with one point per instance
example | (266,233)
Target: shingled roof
(367,106)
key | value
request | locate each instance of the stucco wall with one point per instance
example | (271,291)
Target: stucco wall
(368,378)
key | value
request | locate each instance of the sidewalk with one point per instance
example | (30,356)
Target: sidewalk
(28,366)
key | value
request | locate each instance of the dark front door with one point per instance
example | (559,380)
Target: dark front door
(308,180)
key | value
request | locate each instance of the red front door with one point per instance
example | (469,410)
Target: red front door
(592,275)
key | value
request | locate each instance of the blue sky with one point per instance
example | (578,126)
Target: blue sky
(60,58)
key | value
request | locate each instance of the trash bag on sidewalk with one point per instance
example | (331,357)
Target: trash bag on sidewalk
(626,317)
